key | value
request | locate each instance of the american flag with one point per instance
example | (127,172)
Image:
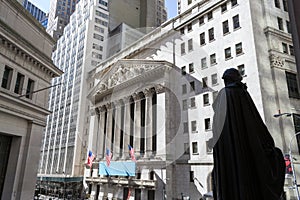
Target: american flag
(131,152)
(108,157)
(90,159)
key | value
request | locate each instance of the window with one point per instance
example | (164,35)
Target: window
(213,60)
(97,47)
(191,67)
(225,27)
(205,99)
(288,27)
(96,55)
(193,102)
(233,3)
(194,125)
(285,5)
(189,27)
(203,63)
(99,29)
(204,82)
(238,49)
(185,127)
(98,37)
(184,89)
(190,44)
(192,86)
(214,79)
(191,176)
(7,76)
(292,53)
(195,147)
(284,48)
(236,22)
(184,105)
(211,35)
(201,20)
(223,7)
(207,124)
(202,38)
(241,69)
(209,15)
(227,53)
(183,70)
(277,4)
(280,23)
(189,2)
(19,83)
(292,85)
(29,89)
(209,148)
(182,31)
(186,148)
(182,48)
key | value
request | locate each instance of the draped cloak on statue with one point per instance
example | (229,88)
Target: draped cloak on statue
(247,165)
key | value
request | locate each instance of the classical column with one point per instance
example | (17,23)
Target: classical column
(149,123)
(109,119)
(137,124)
(126,131)
(160,120)
(101,136)
(117,129)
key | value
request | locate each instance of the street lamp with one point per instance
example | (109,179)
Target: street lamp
(281,114)
(292,164)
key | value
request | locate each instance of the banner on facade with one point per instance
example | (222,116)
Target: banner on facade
(117,168)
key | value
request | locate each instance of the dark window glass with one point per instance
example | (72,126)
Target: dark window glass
(292,85)
(236,22)
(225,27)
(19,83)
(6,79)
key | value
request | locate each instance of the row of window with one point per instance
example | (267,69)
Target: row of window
(211,35)
(195,151)
(280,25)
(207,126)
(209,16)
(19,84)
(284,4)
(288,49)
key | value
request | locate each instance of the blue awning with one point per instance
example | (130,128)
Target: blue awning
(117,169)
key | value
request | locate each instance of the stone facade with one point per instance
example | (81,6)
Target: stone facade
(26,71)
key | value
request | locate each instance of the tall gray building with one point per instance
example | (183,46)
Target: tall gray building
(26,71)
(59,14)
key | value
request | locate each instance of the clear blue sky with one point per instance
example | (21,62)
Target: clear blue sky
(170,4)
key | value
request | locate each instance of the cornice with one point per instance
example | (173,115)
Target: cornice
(16,42)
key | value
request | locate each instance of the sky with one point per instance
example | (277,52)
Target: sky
(170,4)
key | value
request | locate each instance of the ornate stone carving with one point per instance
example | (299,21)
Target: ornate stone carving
(149,92)
(124,72)
(276,61)
(159,89)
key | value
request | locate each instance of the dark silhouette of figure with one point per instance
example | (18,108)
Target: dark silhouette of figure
(247,165)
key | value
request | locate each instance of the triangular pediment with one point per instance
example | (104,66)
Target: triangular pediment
(125,70)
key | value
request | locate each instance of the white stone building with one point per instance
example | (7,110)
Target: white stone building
(79,50)
(26,71)
(196,47)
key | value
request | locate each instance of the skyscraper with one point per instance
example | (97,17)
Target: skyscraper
(59,14)
(81,47)
(36,12)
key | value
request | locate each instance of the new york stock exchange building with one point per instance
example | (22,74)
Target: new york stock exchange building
(138,103)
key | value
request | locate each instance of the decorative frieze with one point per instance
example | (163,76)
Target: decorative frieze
(276,61)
